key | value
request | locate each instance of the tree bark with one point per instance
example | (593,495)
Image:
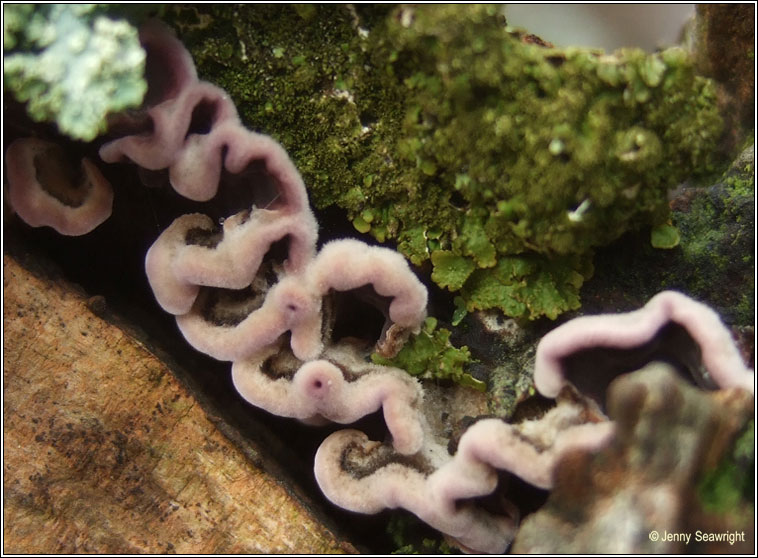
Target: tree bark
(105,451)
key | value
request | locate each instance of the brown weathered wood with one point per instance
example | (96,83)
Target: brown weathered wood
(106,452)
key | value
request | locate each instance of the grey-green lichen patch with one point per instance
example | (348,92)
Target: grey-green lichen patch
(71,65)
(503,162)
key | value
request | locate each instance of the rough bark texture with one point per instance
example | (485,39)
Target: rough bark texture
(106,452)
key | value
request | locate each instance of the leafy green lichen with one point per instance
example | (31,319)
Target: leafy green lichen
(430,355)
(71,65)
(503,162)
(539,151)
(450,269)
(664,236)
(528,285)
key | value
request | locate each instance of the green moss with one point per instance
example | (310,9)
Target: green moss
(411,536)
(463,139)
(729,487)
(717,240)
(713,262)
(430,355)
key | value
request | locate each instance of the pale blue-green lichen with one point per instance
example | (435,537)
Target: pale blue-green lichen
(503,162)
(71,66)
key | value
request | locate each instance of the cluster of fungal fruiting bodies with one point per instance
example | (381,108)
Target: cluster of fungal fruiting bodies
(235,299)
(672,328)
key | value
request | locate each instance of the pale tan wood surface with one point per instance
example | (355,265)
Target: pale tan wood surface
(106,452)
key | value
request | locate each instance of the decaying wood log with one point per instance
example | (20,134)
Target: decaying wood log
(106,452)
